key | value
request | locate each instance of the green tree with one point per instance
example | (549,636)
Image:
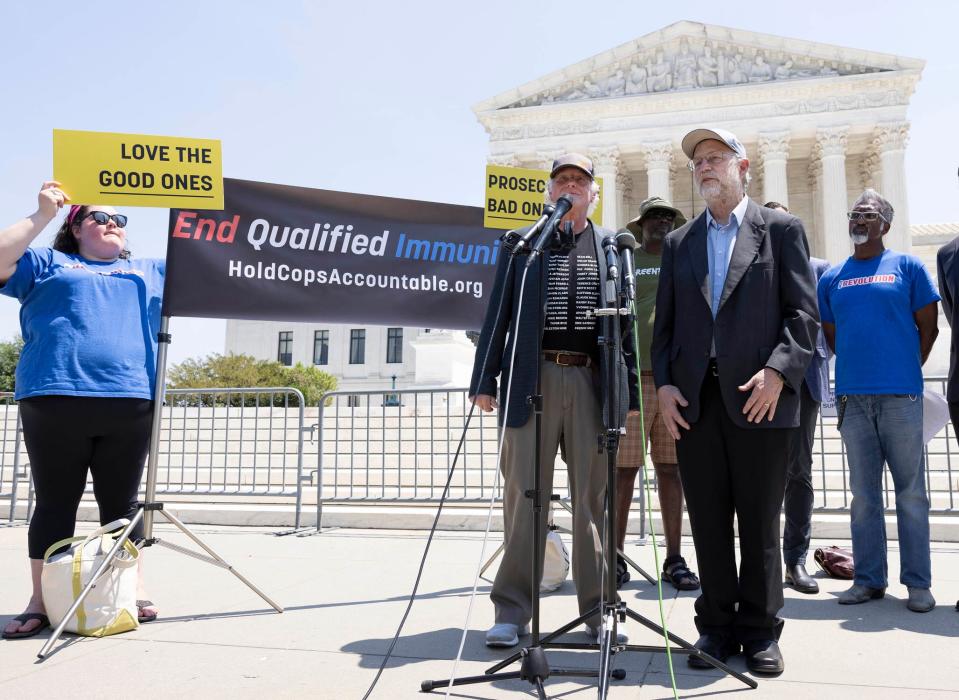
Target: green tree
(9,356)
(234,371)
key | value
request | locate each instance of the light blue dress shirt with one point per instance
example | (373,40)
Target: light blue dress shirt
(720,241)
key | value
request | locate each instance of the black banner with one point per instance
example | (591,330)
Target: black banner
(284,253)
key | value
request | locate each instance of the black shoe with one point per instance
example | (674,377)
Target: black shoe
(622,572)
(719,646)
(763,656)
(798,578)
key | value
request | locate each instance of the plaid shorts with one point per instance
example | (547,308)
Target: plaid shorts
(662,447)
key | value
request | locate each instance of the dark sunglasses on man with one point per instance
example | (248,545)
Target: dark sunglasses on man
(101,217)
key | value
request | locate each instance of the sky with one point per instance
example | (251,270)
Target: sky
(376,97)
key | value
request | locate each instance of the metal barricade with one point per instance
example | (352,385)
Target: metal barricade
(235,442)
(831,469)
(398,446)
(14,475)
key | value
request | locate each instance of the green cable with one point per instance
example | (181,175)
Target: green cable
(649,503)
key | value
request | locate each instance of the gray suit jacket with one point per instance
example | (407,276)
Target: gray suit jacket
(767,315)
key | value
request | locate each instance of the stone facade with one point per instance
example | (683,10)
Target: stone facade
(819,122)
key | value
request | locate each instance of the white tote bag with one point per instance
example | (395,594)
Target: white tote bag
(555,563)
(111,605)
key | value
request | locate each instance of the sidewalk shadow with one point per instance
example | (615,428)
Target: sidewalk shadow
(442,645)
(883,615)
(199,617)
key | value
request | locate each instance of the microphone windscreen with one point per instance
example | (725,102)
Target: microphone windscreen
(625,239)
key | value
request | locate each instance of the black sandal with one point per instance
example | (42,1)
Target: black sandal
(141,618)
(23,618)
(677,573)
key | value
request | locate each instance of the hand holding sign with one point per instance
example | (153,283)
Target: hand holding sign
(50,199)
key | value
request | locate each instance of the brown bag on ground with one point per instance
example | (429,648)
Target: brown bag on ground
(835,561)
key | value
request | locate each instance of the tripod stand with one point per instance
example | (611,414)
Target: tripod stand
(534,664)
(151,506)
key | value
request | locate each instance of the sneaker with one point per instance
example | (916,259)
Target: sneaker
(859,593)
(505,634)
(920,599)
(622,572)
(593,633)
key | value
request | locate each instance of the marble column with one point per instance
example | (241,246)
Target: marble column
(624,185)
(890,144)
(868,167)
(830,149)
(608,166)
(659,159)
(813,227)
(774,155)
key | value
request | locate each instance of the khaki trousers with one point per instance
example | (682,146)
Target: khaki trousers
(571,411)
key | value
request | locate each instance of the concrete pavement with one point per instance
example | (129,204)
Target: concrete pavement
(345,591)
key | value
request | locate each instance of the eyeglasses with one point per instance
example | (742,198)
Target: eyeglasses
(715,160)
(864,216)
(101,217)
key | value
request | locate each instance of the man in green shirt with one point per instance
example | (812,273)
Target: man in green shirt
(657,217)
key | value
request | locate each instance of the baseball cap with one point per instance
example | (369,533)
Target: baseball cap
(572,160)
(697,136)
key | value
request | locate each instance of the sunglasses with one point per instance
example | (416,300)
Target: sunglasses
(101,217)
(864,215)
(661,214)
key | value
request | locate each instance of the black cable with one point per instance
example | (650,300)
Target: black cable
(439,510)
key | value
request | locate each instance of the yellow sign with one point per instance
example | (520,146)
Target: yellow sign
(515,197)
(141,171)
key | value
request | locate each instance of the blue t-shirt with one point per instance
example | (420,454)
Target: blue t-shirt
(872,302)
(89,328)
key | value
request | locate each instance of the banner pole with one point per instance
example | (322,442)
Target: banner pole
(159,391)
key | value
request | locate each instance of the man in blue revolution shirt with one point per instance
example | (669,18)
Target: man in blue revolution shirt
(879,316)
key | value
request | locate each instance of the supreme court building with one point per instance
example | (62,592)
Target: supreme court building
(820,123)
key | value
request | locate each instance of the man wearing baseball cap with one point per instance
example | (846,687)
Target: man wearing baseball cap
(657,217)
(567,287)
(736,325)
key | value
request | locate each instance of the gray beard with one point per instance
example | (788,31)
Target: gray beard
(858,238)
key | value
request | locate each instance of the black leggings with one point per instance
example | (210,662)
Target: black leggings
(65,436)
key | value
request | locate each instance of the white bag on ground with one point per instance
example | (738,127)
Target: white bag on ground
(555,563)
(111,605)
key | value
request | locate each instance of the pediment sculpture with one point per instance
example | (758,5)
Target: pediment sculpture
(691,64)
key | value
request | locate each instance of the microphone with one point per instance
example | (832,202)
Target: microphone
(524,240)
(612,271)
(612,257)
(627,244)
(561,208)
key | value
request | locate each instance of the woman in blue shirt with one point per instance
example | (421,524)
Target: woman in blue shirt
(89,317)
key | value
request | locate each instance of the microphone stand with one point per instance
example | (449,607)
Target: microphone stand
(614,611)
(534,663)
(610,609)
(534,666)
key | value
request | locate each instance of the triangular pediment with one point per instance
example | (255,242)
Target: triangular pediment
(695,56)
